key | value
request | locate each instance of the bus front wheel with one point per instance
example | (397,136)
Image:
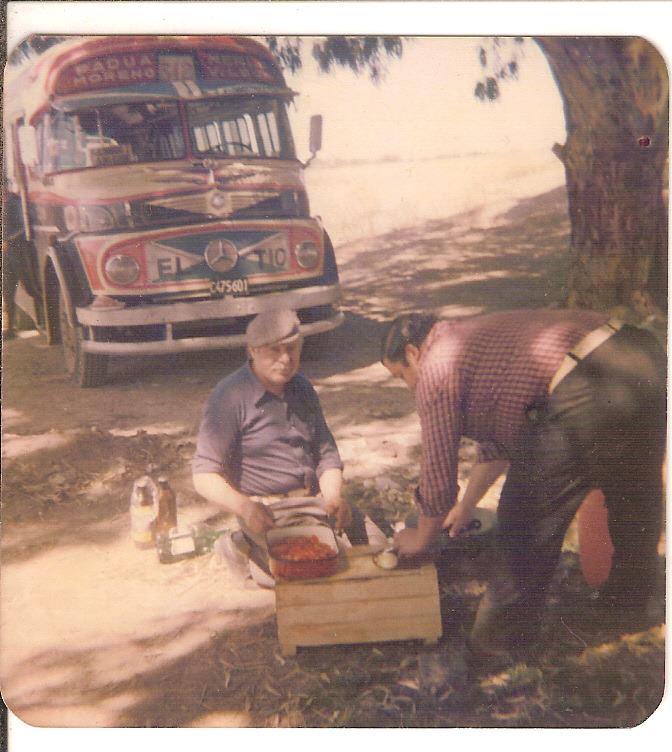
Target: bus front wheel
(86,369)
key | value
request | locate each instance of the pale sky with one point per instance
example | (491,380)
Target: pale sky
(425,106)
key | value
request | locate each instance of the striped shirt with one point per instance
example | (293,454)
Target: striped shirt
(476,378)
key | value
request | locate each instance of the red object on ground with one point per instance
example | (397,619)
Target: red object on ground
(595,547)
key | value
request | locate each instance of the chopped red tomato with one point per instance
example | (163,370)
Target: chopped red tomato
(302,548)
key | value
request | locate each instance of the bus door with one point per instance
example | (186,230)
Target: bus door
(20,255)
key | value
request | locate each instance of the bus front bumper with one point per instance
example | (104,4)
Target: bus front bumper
(201,325)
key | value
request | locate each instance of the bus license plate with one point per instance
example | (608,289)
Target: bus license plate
(220,288)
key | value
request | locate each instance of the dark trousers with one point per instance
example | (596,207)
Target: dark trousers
(603,427)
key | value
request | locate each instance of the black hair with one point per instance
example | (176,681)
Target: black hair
(407,329)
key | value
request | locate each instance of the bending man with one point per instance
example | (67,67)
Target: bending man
(569,402)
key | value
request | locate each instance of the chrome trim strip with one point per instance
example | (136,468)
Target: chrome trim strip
(196,343)
(183,312)
(47,228)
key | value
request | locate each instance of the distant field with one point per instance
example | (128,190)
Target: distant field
(363,199)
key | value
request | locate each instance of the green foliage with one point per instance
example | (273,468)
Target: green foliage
(499,57)
(359,54)
(32,46)
(488,89)
(287,51)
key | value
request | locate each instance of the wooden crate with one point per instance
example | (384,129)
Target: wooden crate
(360,603)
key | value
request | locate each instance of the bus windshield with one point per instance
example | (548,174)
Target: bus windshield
(240,127)
(113,135)
(121,134)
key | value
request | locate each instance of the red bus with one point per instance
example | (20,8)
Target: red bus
(155,202)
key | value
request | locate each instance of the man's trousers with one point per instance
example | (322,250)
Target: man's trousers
(603,427)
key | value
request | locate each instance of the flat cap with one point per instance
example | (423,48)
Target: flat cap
(273,326)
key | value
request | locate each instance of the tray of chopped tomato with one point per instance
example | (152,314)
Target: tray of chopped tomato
(302,552)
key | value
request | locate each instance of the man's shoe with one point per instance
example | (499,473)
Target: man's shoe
(260,576)
(481,660)
(232,548)
(444,676)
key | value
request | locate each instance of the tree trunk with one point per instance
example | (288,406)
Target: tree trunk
(615,96)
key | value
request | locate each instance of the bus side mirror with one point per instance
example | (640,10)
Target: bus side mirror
(315,137)
(28,145)
(315,133)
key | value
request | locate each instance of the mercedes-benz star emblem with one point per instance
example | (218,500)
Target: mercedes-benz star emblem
(221,255)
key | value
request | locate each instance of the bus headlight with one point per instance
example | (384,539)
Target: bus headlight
(307,254)
(121,269)
(96,218)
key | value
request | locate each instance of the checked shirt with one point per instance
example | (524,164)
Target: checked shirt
(476,378)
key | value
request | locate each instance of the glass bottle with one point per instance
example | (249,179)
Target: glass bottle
(167,507)
(143,513)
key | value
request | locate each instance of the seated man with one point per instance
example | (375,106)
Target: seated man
(264,439)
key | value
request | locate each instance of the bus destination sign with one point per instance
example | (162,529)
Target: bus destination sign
(132,68)
(108,71)
(228,66)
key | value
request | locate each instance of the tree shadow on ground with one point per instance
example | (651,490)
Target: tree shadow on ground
(208,364)
(448,269)
(439,266)
(192,670)
(520,262)
(78,494)
(235,675)
(444,264)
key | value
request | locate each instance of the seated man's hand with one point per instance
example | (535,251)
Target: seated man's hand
(340,510)
(257,517)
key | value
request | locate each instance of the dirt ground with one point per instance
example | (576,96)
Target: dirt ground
(98,633)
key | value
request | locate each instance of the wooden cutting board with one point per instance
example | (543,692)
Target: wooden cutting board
(360,603)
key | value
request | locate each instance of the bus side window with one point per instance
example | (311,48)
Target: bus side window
(246,127)
(265,134)
(253,135)
(47,160)
(201,138)
(39,136)
(273,130)
(212,132)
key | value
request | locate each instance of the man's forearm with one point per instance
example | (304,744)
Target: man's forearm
(256,518)
(482,476)
(218,490)
(428,528)
(331,482)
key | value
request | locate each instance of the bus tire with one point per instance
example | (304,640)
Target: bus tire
(330,272)
(22,321)
(86,369)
